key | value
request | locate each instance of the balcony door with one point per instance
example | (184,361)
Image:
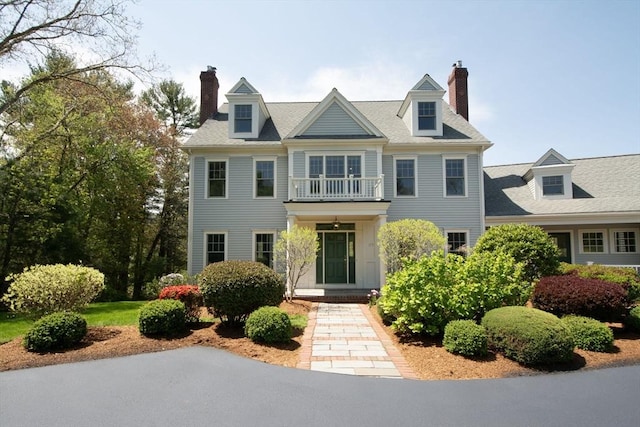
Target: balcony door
(335,169)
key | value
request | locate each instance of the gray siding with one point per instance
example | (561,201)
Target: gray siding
(426,86)
(334,121)
(370,164)
(299,166)
(552,160)
(243,89)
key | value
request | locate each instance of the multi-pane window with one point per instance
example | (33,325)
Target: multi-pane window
(454,177)
(217,178)
(242,118)
(426,115)
(264,249)
(215,247)
(552,185)
(335,168)
(405,177)
(457,243)
(625,241)
(593,242)
(265,178)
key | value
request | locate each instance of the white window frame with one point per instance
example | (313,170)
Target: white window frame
(552,176)
(273,233)
(444,176)
(275,177)
(254,120)
(614,249)
(435,115)
(226,178)
(325,154)
(456,230)
(415,177)
(205,259)
(605,248)
(415,118)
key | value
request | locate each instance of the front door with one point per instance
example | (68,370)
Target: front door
(335,257)
(563,242)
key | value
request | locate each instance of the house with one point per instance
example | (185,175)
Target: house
(590,207)
(341,167)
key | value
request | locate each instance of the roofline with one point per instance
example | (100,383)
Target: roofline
(582,218)
(572,160)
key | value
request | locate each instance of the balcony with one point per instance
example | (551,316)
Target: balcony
(322,188)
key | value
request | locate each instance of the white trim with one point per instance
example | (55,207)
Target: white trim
(462,157)
(605,248)
(190,213)
(274,233)
(425,97)
(466,231)
(205,258)
(254,120)
(226,177)
(613,239)
(567,219)
(415,176)
(273,159)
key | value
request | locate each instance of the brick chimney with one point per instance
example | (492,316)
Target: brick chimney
(458,95)
(208,94)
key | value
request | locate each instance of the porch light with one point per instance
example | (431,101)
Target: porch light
(336,224)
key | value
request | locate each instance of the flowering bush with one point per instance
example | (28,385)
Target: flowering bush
(43,289)
(189,295)
(171,280)
(373,297)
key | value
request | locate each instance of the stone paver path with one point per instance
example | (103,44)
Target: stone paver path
(345,339)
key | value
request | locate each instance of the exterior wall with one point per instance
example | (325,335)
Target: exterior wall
(334,121)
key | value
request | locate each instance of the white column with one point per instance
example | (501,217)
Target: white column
(382,220)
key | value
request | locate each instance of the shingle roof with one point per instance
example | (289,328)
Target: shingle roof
(285,116)
(600,185)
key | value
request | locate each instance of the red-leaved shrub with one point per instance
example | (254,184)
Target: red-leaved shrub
(572,294)
(189,295)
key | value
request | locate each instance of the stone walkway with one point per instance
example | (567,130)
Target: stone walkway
(346,339)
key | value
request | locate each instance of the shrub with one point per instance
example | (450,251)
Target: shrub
(624,276)
(233,289)
(269,325)
(387,318)
(408,239)
(171,279)
(190,297)
(55,332)
(562,295)
(527,244)
(162,317)
(632,320)
(426,295)
(589,334)
(42,289)
(528,335)
(465,337)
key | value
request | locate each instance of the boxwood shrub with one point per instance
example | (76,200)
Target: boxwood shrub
(55,332)
(465,337)
(571,294)
(162,317)
(269,325)
(528,335)
(632,320)
(589,334)
(234,289)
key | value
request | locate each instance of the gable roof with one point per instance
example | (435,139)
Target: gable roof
(243,86)
(550,158)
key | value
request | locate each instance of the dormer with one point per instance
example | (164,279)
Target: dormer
(247,111)
(421,110)
(550,177)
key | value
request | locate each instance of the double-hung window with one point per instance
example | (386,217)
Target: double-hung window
(264,248)
(625,241)
(426,115)
(216,248)
(457,242)
(265,178)
(455,177)
(242,120)
(405,177)
(552,185)
(593,242)
(217,176)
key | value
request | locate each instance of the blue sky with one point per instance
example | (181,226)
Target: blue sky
(542,74)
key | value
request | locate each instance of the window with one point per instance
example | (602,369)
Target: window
(457,242)
(625,241)
(242,119)
(215,247)
(405,177)
(552,185)
(335,169)
(426,115)
(265,178)
(264,248)
(454,177)
(218,178)
(593,242)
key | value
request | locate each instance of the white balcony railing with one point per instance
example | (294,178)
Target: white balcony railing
(351,188)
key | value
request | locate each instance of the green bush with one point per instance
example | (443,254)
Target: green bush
(269,325)
(162,317)
(632,320)
(427,294)
(624,276)
(387,318)
(55,332)
(408,239)
(465,337)
(589,334)
(42,289)
(528,335)
(527,244)
(234,289)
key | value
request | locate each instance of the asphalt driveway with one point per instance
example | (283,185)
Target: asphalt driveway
(206,386)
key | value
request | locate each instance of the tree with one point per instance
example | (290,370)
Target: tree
(408,238)
(527,244)
(295,252)
(173,107)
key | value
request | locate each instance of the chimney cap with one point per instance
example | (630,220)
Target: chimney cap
(211,68)
(457,64)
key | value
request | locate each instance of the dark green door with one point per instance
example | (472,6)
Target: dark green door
(563,241)
(335,257)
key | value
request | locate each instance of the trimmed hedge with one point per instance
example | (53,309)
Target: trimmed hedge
(55,332)
(465,337)
(562,295)
(589,334)
(528,335)
(189,295)
(234,289)
(632,320)
(162,317)
(624,276)
(269,325)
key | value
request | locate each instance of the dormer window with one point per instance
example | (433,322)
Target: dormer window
(421,109)
(242,122)
(426,115)
(550,177)
(552,185)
